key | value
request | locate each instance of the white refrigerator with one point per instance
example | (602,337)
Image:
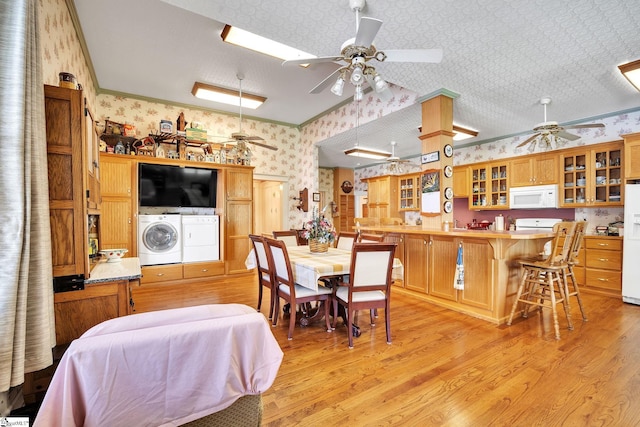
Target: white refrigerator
(631,245)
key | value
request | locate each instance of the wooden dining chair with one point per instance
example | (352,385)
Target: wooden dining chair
(371,238)
(288,290)
(266,276)
(391,221)
(290,237)
(369,285)
(543,283)
(345,240)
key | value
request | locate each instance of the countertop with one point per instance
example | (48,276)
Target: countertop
(461,232)
(125,269)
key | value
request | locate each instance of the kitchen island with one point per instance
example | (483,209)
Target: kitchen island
(491,271)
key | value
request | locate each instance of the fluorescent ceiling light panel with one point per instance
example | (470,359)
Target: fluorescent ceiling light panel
(226,96)
(261,44)
(461,133)
(367,153)
(632,72)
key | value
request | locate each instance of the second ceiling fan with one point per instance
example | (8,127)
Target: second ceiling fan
(240,138)
(356,53)
(547,131)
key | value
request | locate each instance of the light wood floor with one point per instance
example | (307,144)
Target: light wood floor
(445,368)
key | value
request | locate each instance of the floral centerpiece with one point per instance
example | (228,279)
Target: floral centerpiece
(320,232)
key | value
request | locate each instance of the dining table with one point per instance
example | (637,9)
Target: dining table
(309,267)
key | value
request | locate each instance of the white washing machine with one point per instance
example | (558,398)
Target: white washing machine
(159,239)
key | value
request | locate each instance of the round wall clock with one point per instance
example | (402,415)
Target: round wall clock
(448,206)
(448,171)
(346,186)
(448,150)
(448,193)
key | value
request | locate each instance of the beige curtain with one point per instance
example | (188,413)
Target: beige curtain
(27,331)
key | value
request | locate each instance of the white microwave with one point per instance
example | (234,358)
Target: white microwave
(533,197)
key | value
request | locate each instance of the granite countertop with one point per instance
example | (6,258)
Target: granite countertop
(125,269)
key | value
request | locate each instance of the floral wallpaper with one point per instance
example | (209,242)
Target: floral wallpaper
(297,157)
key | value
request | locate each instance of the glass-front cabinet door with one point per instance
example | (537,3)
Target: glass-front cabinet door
(409,192)
(489,189)
(592,178)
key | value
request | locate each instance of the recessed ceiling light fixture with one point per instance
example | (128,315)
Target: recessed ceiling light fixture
(226,96)
(632,72)
(368,153)
(242,38)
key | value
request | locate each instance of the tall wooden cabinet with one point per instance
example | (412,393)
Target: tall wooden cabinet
(118,226)
(382,198)
(70,196)
(238,217)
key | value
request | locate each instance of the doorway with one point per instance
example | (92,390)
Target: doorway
(269,204)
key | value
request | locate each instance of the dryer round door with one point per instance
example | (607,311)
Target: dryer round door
(160,237)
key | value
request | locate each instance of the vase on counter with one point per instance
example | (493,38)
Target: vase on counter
(316,247)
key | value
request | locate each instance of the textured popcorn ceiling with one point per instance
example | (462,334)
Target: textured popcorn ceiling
(500,57)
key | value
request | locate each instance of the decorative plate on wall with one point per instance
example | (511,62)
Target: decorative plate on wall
(448,171)
(448,193)
(448,150)
(448,206)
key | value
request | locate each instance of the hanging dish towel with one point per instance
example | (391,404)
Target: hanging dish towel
(458,278)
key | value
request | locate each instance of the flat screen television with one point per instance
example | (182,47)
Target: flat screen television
(176,186)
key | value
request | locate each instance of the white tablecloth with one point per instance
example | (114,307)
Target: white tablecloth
(308,267)
(162,368)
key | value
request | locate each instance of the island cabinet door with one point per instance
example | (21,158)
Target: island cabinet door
(416,250)
(442,267)
(478,274)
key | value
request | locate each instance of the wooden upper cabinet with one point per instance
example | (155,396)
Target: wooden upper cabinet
(592,177)
(118,219)
(489,188)
(461,186)
(409,192)
(67,178)
(239,184)
(632,156)
(539,169)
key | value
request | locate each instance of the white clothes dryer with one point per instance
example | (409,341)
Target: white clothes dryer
(159,239)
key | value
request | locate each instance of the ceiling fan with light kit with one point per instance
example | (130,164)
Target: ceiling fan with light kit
(240,139)
(356,54)
(548,131)
(394,163)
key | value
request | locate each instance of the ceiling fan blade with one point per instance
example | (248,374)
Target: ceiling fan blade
(313,60)
(413,55)
(592,125)
(326,82)
(253,138)
(528,140)
(259,144)
(367,31)
(567,135)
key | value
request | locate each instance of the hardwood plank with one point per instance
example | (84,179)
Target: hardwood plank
(445,368)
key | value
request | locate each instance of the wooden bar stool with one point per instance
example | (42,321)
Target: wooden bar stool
(543,283)
(570,278)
